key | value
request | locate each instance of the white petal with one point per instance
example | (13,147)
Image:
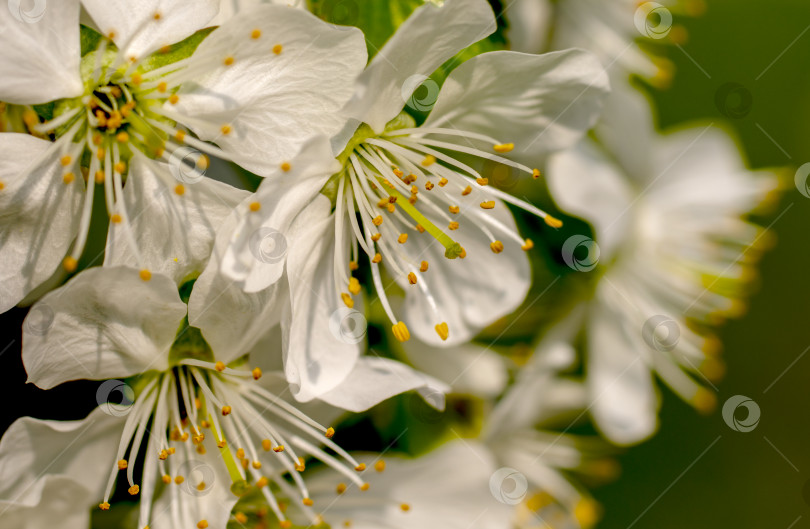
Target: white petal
(470,293)
(529,22)
(624,402)
(541,103)
(256,253)
(273,102)
(104,323)
(39,215)
(429,37)
(215,299)
(40,43)
(467,368)
(448,488)
(174,232)
(139,28)
(584,182)
(318,356)
(230,8)
(50,471)
(376,379)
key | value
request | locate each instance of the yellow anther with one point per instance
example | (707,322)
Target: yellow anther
(488,204)
(163,455)
(162,86)
(467,191)
(354,285)
(166,479)
(174,98)
(347,300)
(222,443)
(278,449)
(255,206)
(463,253)
(353,265)
(257,373)
(240,453)
(97,139)
(398,173)
(412,278)
(100,152)
(202,524)
(414,190)
(341,488)
(300,467)
(122,137)
(179,189)
(704,401)
(104,506)
(228,60)
(442,182)
(403,238)
(277,49)
(220,366)
(68,178)
(420,228)
(365,486)
(120,167)
(202,162)
(257,465)
(423,267)
(226,129)
(307,502)
(115,218)
(377,220)
(442,330)
(453,225)
(266,445)
(362,466)
(496,246)
(226,410)
(528,245)
(553,222)
(145,274)
(376,237)
(166,48)
(400,333)
(122,464)
(377,258)
(330,432)
(2,186)
(503,147)
(379,466)
(405,507)
(535,173)
(179,479)
(482,181)
(65,160)
(428,185)
(205,424)
(240,517)
(256,33)
(180,136)
(99,176)
(454,209)
(429,160)
(391,208)
(133,490)
(285,166)
(171,450)
(382,203)
(262,482)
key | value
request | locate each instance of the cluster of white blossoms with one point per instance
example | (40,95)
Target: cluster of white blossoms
(227,324)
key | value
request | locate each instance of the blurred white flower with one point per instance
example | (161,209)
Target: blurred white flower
(253,86)
(192,384)
(422,210)
(677,255)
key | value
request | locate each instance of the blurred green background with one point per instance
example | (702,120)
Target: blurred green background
(761,478)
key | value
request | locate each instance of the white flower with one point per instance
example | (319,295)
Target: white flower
(677,255)
(254,87)
(196,397)
(420,207)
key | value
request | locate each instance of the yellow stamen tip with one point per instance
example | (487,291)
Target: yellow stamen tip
(347,300)
(174,98)
(442,330)
(377,258)
(377,220)
(285,166)
(145,274)
(354,285)
(307,502)
(704,401)
(496,246)
(405,507)
(104,506)
(255,206)
(535,173)
(202,524)
(68,178)
(255,34)
(261,482)
(277,49)
(220,366)
(122,464)
(228,60)
(412,278)
(65,160)
(226,129)
(330,432)
(69,264)
(553,221)
(278,449)
(257,373)
(453,225)
(365,486)
(504,147)
(454,209)
(401,333)
(341,488)
(226,410)
(528,245)
(429,160)
(133,490)
(489,204)
(403,237)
